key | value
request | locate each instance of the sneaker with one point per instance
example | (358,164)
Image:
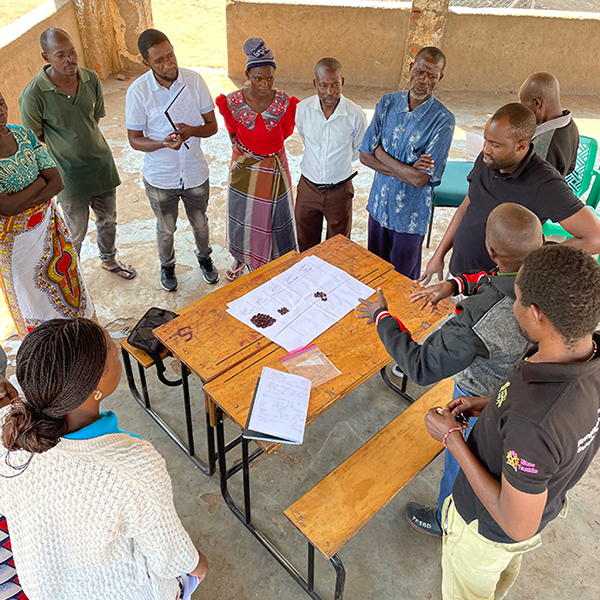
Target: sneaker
(423,519)
(168,281)
(209,271)
(397,372)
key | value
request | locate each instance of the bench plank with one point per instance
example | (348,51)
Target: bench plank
(342,503)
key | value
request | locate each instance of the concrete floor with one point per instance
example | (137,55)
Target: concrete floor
(387,559)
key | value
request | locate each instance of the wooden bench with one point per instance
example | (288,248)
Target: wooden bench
(342,503)
(144,362)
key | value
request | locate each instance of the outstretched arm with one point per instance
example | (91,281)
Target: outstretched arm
(584,226)
(436,265)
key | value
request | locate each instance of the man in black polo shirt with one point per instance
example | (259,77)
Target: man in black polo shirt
(535,437)
(509,170)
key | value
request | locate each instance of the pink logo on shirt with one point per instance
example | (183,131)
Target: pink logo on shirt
(519,464)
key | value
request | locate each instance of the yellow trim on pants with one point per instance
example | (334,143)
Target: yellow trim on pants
(473,567)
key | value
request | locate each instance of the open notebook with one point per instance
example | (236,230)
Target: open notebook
(279,408)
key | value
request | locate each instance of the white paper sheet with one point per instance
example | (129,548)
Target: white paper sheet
(474,144)
(183,109)
(280,405)
(308,316)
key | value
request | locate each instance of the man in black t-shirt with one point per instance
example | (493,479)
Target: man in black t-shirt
(509,170)
(535,437)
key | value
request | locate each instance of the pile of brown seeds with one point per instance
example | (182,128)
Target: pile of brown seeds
(262,321)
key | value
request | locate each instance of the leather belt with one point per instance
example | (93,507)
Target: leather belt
(327,187)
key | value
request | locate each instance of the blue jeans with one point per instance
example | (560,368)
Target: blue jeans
(165,205)
(451,466)
(77,215)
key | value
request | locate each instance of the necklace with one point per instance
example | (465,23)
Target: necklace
(594,351)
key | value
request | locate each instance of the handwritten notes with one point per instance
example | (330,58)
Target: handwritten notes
(302,291)
(278,412)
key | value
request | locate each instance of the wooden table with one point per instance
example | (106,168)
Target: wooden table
(351,345)
(209,342)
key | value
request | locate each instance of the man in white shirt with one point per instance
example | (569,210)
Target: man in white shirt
(174,165)
(332,128)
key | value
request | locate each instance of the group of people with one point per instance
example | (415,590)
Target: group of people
(90,507)
(522,426)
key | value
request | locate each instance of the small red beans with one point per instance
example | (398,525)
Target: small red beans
(261,320)
(283,310)
(321,295)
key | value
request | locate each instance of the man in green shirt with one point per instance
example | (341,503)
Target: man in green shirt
(63,105)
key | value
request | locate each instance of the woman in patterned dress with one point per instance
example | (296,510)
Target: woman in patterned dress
(39,271)
(260,210)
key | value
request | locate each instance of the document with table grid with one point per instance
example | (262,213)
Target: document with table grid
(296,306)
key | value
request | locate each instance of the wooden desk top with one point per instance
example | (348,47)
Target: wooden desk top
(351,345)
(210,341)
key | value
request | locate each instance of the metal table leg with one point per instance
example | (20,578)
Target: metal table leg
(245,515)
(144,401)
(401,390)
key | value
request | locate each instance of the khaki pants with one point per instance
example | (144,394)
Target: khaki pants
(473,567)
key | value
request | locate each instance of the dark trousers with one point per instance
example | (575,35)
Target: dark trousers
(312,205)
(403,250)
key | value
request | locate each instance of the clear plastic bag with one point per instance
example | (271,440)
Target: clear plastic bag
(311,363)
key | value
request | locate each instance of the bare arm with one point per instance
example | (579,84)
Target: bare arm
(48,183)
(370,161)
(585,229)
(436,265)
(201,568)
(138,141)
(54,185)
(209,128)
(14,204)
(518,514)
(411,175)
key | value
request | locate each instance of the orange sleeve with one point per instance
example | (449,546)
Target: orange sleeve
(230,122)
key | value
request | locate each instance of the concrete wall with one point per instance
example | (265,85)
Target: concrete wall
(368,38)
(20,52)
(497,50)
(487,50)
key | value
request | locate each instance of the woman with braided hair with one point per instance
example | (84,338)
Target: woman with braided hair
(89,506)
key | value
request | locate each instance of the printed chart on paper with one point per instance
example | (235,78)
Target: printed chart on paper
(301,303)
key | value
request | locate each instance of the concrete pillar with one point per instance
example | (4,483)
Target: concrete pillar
(427,22)
(109,30)
(129,19)
(97,36)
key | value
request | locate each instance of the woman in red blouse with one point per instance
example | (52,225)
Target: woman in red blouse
(260,210)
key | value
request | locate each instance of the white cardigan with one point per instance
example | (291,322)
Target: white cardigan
(95,519)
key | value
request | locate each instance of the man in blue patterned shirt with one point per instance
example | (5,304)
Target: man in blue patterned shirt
(407,144)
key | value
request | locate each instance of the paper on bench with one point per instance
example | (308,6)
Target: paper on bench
(279,408)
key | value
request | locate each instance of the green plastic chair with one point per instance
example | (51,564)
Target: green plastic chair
(452,189)
(580,180)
